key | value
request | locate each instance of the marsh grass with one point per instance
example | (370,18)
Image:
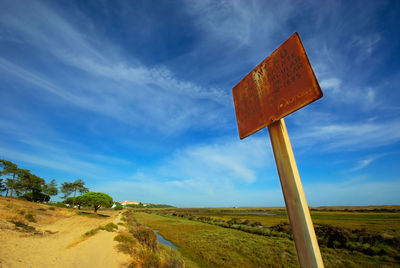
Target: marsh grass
(213,246)
(142,245)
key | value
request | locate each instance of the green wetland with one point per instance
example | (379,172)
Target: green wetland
(261,237)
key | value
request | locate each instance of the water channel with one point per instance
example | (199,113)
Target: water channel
(164,241)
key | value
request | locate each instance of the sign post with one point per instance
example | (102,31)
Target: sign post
(281,84)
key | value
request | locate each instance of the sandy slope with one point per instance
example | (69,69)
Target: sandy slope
(19,249)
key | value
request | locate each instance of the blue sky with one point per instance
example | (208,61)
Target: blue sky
(134,97)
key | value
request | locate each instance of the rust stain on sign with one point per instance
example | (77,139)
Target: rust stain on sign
(281,84)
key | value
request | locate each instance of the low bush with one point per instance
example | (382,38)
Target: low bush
(369,243)
(23,225)
(149,259)
(118,206)
(30,217)
(91,232)
(146,237)
(109,227)
(125,238)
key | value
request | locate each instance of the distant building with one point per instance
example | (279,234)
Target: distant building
(126,202)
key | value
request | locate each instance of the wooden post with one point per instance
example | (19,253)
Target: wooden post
(299,216)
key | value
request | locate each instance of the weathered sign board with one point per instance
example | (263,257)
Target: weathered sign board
(281,84)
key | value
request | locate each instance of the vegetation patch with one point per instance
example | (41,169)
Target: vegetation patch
(93,215)
(91,232)
(23,226)
(201,238)
(141,244)
(118,206)
(30,217)
(109,227)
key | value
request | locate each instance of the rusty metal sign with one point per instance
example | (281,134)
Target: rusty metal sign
(281,84)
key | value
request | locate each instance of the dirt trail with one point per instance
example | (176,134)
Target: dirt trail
(52,250)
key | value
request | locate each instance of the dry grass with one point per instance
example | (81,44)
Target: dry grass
(30,212)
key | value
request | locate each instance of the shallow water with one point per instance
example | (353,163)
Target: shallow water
(164,241)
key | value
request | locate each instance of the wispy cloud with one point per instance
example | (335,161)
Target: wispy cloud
(238,22)
(226,167)
(366,162)
(350,137)
(57,152)
(130,92)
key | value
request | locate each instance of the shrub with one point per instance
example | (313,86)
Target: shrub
(146,237)
(36,197)
(246,222)
(118,206)
(60,205)
(124,238)
(91,232)
(257,223)
(149,259)
(23,226)
(109,227)
(30,217)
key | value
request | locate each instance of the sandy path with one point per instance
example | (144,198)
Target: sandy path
(22,250)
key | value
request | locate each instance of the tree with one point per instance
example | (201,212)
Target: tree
(2,186)
(67,188)
(77,201)
(30,183)
(97,200)
(8,169)
(36,197)
(8,183)
(50,189)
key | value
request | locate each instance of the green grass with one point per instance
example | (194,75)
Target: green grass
(91,232)
(388,222)
(141,244)
(214,246)
(109,227)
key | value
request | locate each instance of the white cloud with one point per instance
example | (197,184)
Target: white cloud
(366,162)
(218,173)
(131,92)
(331,83)
(349,137)
(224,161)
(239,23)
(365,45)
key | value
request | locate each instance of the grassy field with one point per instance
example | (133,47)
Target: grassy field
(213,246)
(210,245)
(349,217)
